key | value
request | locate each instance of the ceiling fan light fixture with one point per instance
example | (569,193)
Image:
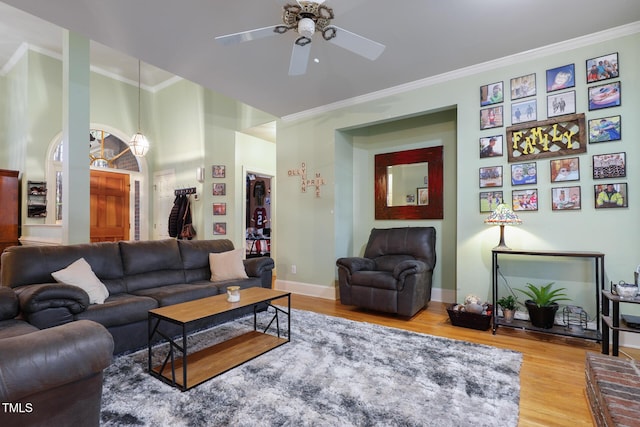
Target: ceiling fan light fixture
(306,27)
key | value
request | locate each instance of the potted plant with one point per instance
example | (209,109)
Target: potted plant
(508,304)
(542,304)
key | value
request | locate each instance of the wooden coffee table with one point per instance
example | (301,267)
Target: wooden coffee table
(183,370)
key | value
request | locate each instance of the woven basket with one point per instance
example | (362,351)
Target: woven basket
(466,319)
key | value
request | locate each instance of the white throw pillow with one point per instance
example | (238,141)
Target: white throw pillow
(80,274)
(227,265)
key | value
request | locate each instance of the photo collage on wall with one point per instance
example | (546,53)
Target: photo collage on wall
(219,189)
(603,91)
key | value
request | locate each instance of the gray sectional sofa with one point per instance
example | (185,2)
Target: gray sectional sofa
(139,276)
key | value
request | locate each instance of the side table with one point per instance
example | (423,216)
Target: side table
(610,317)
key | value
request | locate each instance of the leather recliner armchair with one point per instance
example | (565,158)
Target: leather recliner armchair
(395,273)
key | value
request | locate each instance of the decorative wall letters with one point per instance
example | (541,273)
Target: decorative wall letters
(549,138)
(316,182)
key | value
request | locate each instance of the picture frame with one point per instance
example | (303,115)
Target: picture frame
(490,176)
(605,96)
(611,195)
(559,104)
(410,199)
(603,67)
(491,117)
(560,78)
(422,196)
(219,228)
(219,189)
(218,171)
(524,200)
(489,200)
(605,129)
(611,165)
(523,86)
(524,173)
(491,94)
(491,146)
(565,169)
(219,208)
(525,111)
(566,198)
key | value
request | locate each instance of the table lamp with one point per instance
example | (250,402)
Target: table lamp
(502,215)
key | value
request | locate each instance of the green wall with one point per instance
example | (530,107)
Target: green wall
(336,224)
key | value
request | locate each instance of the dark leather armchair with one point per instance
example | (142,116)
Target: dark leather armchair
(395,274)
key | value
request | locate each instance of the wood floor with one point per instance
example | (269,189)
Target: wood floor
(552,382)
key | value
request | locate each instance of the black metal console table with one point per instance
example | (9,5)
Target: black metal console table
(598,259)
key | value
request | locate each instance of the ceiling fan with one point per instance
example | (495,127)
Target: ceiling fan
(307,18)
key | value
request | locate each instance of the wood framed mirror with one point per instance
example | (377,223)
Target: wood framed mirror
(408,184)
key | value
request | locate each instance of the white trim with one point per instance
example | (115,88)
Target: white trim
(332,292)
(563,46)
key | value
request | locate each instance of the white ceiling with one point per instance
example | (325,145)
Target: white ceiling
(423,38)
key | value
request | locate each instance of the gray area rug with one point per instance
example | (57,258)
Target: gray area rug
(334,372)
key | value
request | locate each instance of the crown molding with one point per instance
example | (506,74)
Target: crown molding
(517,58)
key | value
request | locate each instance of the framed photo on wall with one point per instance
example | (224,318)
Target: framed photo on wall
(489,200)
(491,146)
(613,195)
(559,104)
(525,111)
(603,68)
(219,208)
(491,94)
(524,173)
(525,200)
(565,169)
(219,228)
(565,198)
(561,78)
(491,117)
(605,96)
(523,86)
(219,189)
(613,165)
(218,171)
(491,176)
(605,129)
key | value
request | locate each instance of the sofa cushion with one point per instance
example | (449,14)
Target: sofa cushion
(80,274)
(15,327)
(9,305)
(175,294)
(375,279)
(227,265)
(195,257)
(118,310)
(150,264)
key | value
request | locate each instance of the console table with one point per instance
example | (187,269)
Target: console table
(598,260)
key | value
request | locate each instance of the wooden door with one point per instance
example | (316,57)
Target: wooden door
(109,206)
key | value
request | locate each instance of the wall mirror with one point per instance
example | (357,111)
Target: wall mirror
(408,184)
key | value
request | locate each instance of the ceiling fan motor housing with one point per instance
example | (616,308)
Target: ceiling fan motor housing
(307,17)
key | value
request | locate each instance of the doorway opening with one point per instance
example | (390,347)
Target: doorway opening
(258,215)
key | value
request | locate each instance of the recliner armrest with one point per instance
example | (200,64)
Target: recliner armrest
(50,358)
(35,298)
(353,264)
(411,266)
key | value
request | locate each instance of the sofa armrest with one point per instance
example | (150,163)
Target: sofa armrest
(35,298)
(256,266)
(9,305)
(353,264)
(50,358)
(408,267)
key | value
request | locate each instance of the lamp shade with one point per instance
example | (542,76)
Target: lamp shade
(502,215)
(139,145)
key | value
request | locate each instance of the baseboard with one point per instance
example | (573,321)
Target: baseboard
(332,293)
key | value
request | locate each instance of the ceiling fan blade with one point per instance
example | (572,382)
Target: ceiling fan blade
(357,44)
(299,59)
(246,36)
